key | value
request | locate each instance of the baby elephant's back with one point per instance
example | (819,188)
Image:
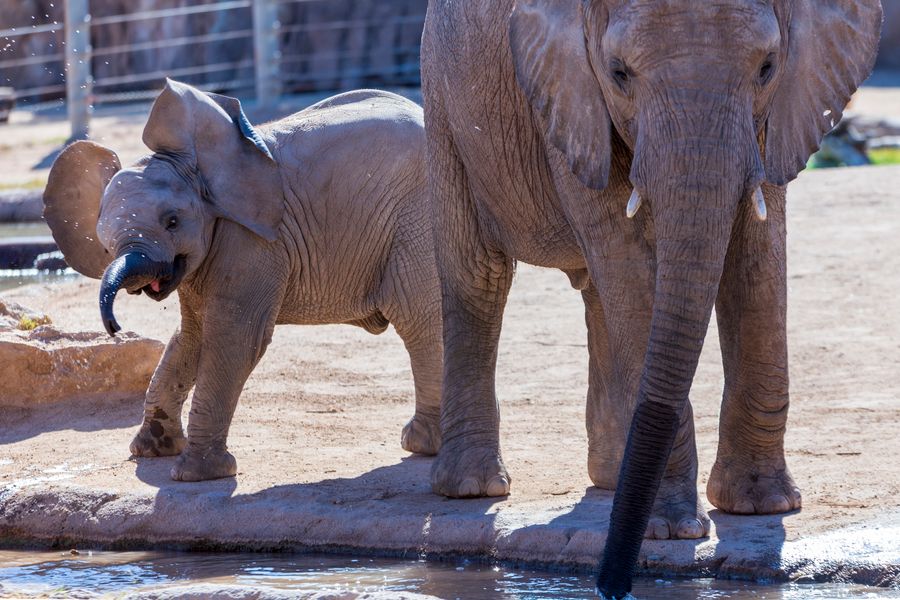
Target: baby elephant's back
(357,156)
(367,143)
(356,195)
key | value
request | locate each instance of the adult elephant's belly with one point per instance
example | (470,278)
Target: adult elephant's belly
(549,243)
(513,192)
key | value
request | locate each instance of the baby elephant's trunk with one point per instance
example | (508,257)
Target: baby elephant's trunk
(131,271)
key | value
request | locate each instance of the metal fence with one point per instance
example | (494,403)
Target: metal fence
(274,56)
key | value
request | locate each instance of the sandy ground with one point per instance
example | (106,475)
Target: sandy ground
(317,430)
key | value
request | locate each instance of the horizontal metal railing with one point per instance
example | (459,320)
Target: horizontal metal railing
(29,29)
(171,12)
(180,41)
(264,68)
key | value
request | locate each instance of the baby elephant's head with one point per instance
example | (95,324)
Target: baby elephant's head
(148,227)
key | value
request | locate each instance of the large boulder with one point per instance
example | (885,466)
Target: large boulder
(40,364)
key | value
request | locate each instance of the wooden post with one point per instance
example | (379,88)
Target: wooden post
(78,67)
(266,51)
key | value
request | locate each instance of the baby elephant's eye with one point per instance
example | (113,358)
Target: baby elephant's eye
(171,222)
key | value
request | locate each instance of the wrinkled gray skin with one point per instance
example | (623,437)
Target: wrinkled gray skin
(543,116)
(317,218)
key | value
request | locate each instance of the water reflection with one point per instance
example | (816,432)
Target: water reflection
(11,279)
(105,572)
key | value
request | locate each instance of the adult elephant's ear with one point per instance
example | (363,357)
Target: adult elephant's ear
(212,133)
(547,38)
(75,186)
(831,49)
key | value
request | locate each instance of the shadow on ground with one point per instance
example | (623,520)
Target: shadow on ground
(17,424)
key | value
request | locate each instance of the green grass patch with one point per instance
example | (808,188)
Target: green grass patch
(32,184)
(27,323)
(885,156)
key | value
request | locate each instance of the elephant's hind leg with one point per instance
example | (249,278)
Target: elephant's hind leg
(750,475)
(413,305)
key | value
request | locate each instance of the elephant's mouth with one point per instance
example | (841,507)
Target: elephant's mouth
(160,288)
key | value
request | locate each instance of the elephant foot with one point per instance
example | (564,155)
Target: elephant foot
(603,467)
(197,465)
(421,435)
(677,513)
(759,488)
(468,472)
(158,437)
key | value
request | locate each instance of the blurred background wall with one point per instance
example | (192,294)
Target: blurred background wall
(889,57)
(324,45)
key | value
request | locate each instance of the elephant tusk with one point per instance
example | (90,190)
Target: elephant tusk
(759,204)
(634,204)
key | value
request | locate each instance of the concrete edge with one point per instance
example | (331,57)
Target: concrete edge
(61,516)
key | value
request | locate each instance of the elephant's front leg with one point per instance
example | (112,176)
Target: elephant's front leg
(750,475)
(618,308)
(475,281)
(235,336)
(161,433)
(617,350)
(469,463)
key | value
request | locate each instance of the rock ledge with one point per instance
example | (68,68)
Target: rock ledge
(40,364)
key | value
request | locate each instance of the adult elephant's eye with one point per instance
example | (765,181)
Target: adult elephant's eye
(619,72)
(765,71)
(172,223)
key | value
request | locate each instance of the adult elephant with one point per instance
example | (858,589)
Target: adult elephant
(643,148)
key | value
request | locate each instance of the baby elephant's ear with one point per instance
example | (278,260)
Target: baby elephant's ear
(76,183)
(214,135)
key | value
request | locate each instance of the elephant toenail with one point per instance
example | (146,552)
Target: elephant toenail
(498,486)
(657,529)
(774,504)
(690,529)
(743,507)
(469,487)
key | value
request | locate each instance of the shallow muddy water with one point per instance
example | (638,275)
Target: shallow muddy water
(61,574)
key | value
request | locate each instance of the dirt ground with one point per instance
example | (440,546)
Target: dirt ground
(317,430)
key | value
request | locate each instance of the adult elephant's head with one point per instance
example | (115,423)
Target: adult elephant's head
(147,227)
(714,99)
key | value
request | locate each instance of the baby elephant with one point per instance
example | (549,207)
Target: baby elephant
(320,217)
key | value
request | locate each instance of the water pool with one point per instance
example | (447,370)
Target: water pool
(93,573)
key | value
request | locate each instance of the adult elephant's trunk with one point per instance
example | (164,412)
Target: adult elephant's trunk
(132,271)
(693,187)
